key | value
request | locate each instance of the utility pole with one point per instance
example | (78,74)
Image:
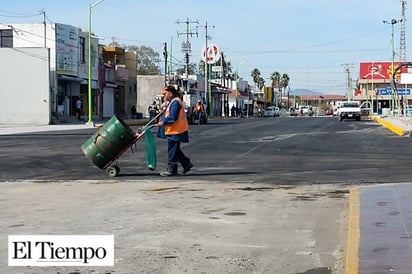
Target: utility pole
(402,48)
(208,92)
(348,79)
(165,56)
(394,95)
(186,47)
(44,25)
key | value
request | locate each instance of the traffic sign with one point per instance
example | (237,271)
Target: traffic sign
(212,54)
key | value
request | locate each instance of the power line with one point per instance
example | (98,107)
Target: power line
(4,13)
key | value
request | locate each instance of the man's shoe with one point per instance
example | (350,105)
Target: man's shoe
(187,168)
(167,174)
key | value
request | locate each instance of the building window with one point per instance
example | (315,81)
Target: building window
(6,38)
(82,51)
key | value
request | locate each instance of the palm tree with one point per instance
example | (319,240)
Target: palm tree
(284,81)
(261,83)
(275,77)
(255,76)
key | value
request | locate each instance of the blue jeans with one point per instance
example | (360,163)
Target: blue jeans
(175,155)
(200,117)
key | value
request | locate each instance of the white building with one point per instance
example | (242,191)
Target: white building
(66,59)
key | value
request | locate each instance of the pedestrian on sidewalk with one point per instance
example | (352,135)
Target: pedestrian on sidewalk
(79,109)
(133,112)
(199,111)
(153,110)
(173,127)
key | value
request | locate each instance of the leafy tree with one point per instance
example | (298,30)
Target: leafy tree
(201,68)
(193,69)
(147,60)
(227,68)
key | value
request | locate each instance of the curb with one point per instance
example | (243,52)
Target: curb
(397,130)
(353,239)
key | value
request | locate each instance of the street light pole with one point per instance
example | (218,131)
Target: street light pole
(237,85)
(392,22)
(237,82)
(207,95)
(89,55)
(373,91)
(208,89)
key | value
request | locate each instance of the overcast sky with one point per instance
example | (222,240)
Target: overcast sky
(310,40)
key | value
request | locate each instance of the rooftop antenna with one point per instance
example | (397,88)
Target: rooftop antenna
(115,41)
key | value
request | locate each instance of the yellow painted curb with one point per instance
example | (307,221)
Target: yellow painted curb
(352,248)
(395,129)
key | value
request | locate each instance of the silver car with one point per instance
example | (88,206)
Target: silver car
(271,112)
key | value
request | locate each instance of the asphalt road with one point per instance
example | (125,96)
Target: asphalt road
(269,150)
(265,196)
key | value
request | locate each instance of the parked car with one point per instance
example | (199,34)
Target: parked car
(305,111)
(329,111)
(271,112)
(293,112)
(407,110)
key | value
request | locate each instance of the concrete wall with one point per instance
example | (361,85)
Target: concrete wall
(148,87)
(33,36)
(25,88)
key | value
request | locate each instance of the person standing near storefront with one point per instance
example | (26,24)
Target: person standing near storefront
(79,109)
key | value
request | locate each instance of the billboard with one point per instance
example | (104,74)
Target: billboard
(67,43)
(268,92)
(379,70)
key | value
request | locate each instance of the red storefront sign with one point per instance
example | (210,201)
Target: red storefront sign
(379,70)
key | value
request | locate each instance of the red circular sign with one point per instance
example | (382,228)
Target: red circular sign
(211,55)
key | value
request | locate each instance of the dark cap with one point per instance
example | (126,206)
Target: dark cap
(172,89)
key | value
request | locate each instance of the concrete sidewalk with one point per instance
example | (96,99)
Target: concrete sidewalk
(68,124)
(380,229)
(380,220)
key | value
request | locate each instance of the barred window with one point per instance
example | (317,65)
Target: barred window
(82,51)
(6,38)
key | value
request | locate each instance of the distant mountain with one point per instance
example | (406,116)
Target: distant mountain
(304,92)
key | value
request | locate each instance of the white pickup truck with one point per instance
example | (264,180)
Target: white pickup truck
(350,110)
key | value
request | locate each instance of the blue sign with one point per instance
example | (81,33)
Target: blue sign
(388,91)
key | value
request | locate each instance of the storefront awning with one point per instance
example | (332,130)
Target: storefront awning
(70,78)
(221,91)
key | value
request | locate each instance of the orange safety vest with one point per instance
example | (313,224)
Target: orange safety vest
(180,125)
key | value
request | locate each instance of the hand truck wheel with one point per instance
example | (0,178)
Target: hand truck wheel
(113,171)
